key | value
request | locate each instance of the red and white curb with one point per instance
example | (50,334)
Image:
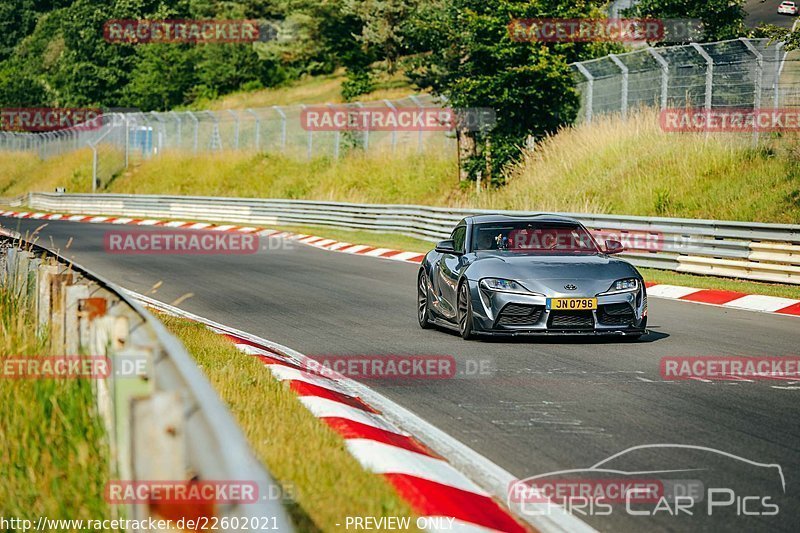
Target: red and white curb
(728,299)
(376,433)
(715,297)
(311,240)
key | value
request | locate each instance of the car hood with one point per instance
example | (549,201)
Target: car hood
(549,274)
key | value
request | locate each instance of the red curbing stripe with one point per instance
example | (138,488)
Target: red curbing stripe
(416,258)
(350,429)
(649,284)
(793,309)
(307,389)
(365,250)
(112,219)
(713,296)
(343,248)
(391,253)
(428,498)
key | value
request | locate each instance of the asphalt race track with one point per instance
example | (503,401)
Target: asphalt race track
(766,11)
(548,405)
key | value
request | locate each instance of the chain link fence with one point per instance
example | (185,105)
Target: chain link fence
(117,139)
(739,73)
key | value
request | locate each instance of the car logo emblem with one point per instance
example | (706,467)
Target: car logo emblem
(570,287)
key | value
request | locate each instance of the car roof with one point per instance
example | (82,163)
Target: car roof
(539,217)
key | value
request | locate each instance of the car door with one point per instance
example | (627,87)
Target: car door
(449,270)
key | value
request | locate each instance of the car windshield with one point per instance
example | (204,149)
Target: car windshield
(533,238)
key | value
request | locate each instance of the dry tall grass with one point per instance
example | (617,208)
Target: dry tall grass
(633,167)
(54,460)
(610,166)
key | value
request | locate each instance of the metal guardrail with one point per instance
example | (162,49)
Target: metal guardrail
(756,251)
(164,420)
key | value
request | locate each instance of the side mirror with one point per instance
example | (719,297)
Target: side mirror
(446,246)
(614,247)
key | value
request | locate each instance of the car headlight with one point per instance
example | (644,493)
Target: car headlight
(505,285)
(623,285)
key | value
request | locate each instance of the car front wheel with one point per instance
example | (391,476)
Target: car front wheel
(465,312)
(423,314)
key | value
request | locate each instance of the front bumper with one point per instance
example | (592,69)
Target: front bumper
(501,313)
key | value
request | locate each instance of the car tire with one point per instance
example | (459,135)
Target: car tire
(464,313)
(423,299)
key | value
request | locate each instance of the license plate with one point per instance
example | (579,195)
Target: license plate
(571,304)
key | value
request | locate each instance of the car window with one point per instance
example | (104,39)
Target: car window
(533,238)
(459,237)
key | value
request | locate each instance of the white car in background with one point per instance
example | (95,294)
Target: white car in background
(787,8)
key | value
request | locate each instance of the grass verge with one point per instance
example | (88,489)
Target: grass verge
(610,166)
(54,459)
(310,90)
(307,458)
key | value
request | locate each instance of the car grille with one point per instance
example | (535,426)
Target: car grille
(571,320)
(620,314)
(519,315)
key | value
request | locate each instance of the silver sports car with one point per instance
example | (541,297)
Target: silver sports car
(541,274)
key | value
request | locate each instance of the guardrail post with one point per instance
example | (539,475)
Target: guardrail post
(624,90)
(283,126)
(44,278)
(258,128)
(235,129)
(94,166)
(310,138)
(127,141)
(776,93)
(58,308)
(416,101)
(664,76)
(709,75)
(366,130)
(391,106)
(589,91)
(178,128)
(196,126)
(336,137)
(161,129)
(73,337)
(757,85)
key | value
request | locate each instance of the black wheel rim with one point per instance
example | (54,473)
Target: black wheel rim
(422,299)
(463,304)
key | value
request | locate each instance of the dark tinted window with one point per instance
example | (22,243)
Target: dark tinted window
(459,237)
(533,238)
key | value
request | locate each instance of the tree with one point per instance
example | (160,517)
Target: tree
(163,77)
(473,62)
